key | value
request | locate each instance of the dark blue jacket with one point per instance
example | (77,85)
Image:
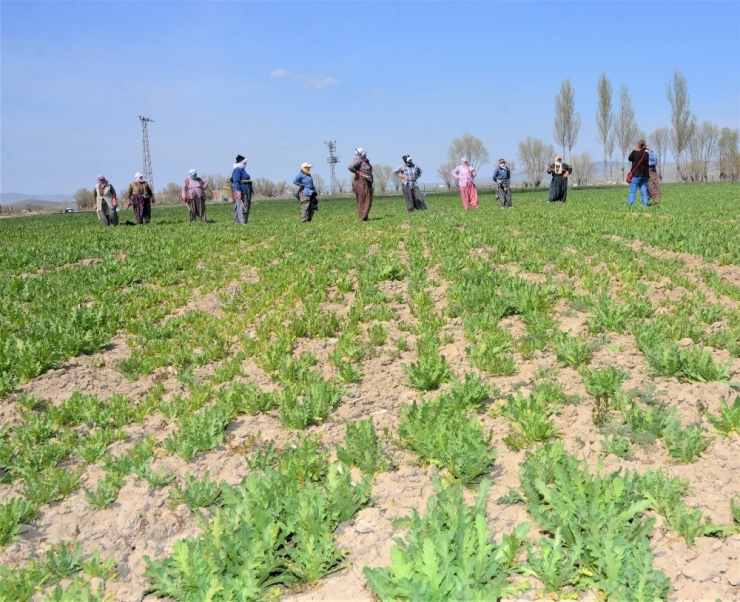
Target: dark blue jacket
(239,179)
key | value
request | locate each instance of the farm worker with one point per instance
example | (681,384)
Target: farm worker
(465,176)
(409,173)
(140,195)
(307,193)
(559,183)
(640,173)
(241,191)
(502,177)
(362,184)
(194,194)
(106,202)
(653,178)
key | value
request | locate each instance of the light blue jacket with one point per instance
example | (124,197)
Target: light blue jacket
(305,180)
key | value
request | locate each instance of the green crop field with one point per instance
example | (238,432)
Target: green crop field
(445,405)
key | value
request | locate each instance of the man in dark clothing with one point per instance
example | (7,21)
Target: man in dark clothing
(639,157)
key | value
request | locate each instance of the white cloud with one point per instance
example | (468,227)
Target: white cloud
(311,81)
(307,81)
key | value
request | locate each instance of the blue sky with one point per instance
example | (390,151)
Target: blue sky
(275,80)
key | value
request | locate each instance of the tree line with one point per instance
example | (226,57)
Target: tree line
(694,146)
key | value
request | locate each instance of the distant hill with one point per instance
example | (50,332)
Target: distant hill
(45,200)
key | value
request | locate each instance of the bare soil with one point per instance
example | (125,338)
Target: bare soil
(142,522)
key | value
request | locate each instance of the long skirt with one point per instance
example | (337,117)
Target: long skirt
(413,198)
(363,190)
(197,208)
(242,205)
(558,189)
(108,215)
(654,186)
(469,195)
(308,206)
(142,208)
(503,193)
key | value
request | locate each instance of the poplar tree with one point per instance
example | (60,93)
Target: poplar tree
(567,121)
(625,128)
(659,141)
(605,116)
(683,120)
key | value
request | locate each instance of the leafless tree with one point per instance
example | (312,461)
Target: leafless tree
(216,181)
(396,181)
(610,144)
(444,171)
(625,128)
(84,198)
(658,142)
(280,188)
(170,194)
(683,121)
(605,115)
(535,156)
(567,121)
(319,183)
(471,148)
(512,167)
(701,150)
(728,154)
(584,169)
(341,185)
(263,187)
(381,177)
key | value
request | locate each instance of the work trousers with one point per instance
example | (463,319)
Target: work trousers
(413,198)
(363,190)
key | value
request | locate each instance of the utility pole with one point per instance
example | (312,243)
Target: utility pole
(147,172)
(332,160)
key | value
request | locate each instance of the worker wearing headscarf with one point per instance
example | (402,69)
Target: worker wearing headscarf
(465,176)
(241,191)
(502,177)
(559,183)
(194,194)
(362,184)
(106,202)
(307,193)
(140,195)
(409,173)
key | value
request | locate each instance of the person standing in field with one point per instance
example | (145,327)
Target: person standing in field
(362,184)
(241,191)
(307,193)
(194,194)
(502,177)
(140,195)
(559,183)
(106,203)
(465,176)
(640,173)
(653,178)
(409,174)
